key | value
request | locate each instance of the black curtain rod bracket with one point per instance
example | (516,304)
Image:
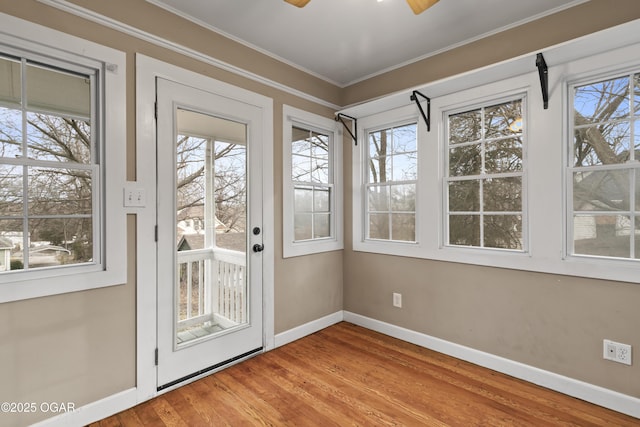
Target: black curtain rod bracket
(543,71)
(427,116)
(339,117)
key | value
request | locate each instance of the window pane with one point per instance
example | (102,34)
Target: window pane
(58,92)
(191,154)
(10,82)
(405,167)
(602,145)
(601,190)
(11,188)
(465,127)
(466,160)
(321,226)
(300,168)
(403,198)
(380,170)
(11,240)
(321,200)
(303,199)
(636,238)
(603,235)
(601,101)
(464,196)
(637,173)
(10,132)
(55,191)
(503,119)
(379,226)
(379,198)
(60,241)
(319,146)
(302,228)
(320,170)
(404,139)
(380,143)
(503,231)
(403,227)
(636,136)
(502,194)
(464,230)
(504,156)
(58,139)
(299,141)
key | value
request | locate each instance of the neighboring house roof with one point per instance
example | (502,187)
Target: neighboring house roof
(231,241)
(191,241)
(5,243)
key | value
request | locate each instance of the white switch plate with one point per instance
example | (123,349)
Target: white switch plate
(134,197)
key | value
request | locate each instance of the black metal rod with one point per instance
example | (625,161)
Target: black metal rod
(427,116)
(339,117)
(543,71)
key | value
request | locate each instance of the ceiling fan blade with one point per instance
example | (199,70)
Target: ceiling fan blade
(299,3)
(419,6)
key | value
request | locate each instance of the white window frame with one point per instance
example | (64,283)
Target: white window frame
(484,103)
(545,190)
(296,117)
(111,64)
(611,72)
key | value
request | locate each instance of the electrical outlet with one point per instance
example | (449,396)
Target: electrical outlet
(397,300)
(617,352)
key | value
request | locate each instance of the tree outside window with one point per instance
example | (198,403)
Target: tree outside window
(392,183)
(49,165)
(485,174)
(605,169)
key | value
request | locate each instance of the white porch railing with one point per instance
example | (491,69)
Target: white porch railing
(211,287)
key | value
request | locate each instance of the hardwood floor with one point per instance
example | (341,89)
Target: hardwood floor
(346,375)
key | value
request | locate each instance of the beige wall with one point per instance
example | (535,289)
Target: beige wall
(556,323)
(80,347)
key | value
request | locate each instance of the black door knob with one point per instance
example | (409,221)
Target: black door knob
(258,247)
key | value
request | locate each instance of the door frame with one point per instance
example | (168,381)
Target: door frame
(147,70)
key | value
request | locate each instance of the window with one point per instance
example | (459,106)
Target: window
(312,214)
(59,126)
(484,176)
(504,181)
(392,182)
(49,165)
(605,167)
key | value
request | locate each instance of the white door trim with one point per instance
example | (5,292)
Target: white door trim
(147,69)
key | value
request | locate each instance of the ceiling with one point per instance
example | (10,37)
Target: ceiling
(346,41)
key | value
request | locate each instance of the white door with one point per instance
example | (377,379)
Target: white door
(209,208)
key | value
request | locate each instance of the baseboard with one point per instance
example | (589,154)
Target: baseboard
(93,411)
(597,395)
(307,329)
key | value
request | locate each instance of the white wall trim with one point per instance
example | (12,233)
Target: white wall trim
(94,411)
(308,328)
(591,393)
(113,24)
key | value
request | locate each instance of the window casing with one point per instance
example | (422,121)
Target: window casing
(391,184)
(312,208)
(62,119)
(603,173)
(484,175)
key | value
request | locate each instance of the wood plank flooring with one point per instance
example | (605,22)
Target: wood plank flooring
(346,375)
